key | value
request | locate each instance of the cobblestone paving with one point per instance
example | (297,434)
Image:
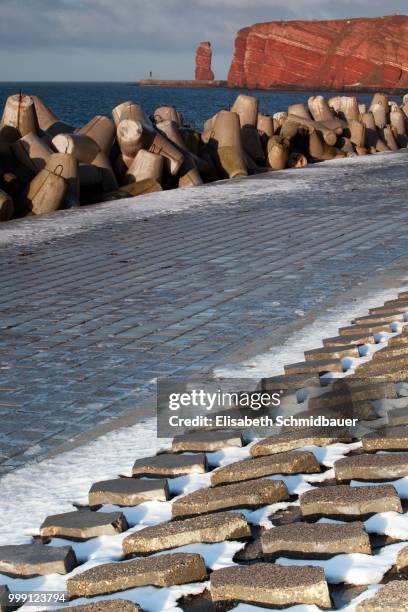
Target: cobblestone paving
(90,317)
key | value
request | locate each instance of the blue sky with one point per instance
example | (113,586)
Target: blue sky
(123,40)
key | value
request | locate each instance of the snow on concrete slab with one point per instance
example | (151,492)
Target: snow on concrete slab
(227,456)
(216,556)
(261,516)
(328,455)
(392,524)
(354,568)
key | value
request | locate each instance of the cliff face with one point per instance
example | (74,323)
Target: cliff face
(331,54)
(203,70)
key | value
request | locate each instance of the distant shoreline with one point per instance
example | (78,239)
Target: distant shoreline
(277,88)
(180,83)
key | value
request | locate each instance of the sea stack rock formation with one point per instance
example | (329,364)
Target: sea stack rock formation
(335,54)
(203,70)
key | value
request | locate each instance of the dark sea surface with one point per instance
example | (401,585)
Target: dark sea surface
(77,103)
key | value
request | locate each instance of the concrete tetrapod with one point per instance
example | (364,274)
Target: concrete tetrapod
(108,180)
(300,111)
(167,113)
(398,124)
(133,135)
(349,108)
(32,152)
(329,135)
(47,190)
(6,206)
(47,121)
(404,106)
(279,119)
(246,108)
(84,148)
(372,138)
(101,130)
(389,138)
(129,136)
(171,131)
(66,165)
(319,109)
(278,152)
(380,98)
(145,165)
(379,113)
(251,142)
(320,150)
(19,118)
(130,110)
(226,135)
(357,133)
(188,174)
(265,126)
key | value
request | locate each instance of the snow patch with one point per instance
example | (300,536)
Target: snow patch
(51,491)
(354,568)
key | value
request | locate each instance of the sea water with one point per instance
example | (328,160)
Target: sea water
(77,103)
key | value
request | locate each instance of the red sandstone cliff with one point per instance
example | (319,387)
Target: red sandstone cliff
(329,54)
(203,70)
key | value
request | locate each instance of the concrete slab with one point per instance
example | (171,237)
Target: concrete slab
(83,525)
(283,463)
(208,529)
(291,440)
(112,605)
(160,571)
(273,585)
(127,491)
(169,465)
(26,560)
(316,540)
(251,493)
(372,467)
(392,596)
(342,500)
(387,438)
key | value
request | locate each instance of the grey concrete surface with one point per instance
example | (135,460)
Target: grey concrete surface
(95,303)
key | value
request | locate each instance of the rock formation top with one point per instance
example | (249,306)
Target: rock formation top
(203,70)
(335,54)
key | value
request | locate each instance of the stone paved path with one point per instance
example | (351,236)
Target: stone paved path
(98,302)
